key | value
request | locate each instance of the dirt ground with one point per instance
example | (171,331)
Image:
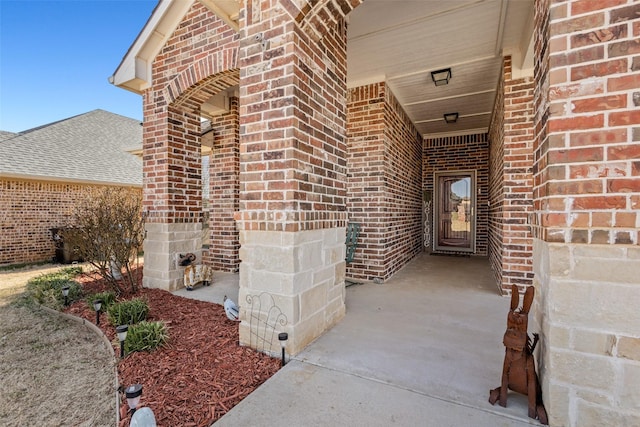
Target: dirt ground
(52,371)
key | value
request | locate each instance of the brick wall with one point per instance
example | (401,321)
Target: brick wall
(587,193)
(462,152)
(28,209)
(198,61)
(292,121)
(384,174)
(511,181)
(224,190)
(496,183)
(587,181)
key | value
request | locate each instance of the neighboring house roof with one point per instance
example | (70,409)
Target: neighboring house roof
(89,148)
(6,135)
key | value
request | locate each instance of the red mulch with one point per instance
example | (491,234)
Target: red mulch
(200,374)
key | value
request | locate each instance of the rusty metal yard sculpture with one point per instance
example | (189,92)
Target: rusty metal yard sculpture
(519,369)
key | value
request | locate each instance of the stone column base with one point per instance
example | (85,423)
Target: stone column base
(293,281)
(586,312)
(162,248)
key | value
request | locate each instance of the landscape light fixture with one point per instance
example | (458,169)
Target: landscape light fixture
(451,117)
(97,305)
(441,77)
(133,393)
(122,335)
(283,337)
(65,294)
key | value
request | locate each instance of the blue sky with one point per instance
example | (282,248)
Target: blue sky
(56,57)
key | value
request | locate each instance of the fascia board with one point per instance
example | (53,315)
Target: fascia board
(134,71)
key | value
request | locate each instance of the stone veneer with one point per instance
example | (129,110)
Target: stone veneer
(588,301)
(303,272)
(162,248)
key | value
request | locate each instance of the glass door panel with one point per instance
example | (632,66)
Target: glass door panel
(455,211)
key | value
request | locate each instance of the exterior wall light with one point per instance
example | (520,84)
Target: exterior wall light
(283,337)
(97,305)
(451,117)
(441,77)
(122,335)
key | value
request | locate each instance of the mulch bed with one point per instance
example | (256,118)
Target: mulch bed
(200,374)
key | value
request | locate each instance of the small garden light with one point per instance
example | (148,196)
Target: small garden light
(133,393)
(65,294)
(283,337)
(122,335)
(97,305)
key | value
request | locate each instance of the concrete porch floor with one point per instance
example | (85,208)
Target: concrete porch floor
(424,348)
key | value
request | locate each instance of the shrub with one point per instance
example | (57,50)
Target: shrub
(146,336)
(108,299)
(46,289)
(108,233)
(128,312)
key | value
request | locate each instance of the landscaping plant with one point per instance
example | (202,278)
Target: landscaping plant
(146,336)
(128,312)
(47,288)
(108,298)
(108,233)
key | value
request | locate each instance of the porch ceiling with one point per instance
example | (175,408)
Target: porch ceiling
(402,41)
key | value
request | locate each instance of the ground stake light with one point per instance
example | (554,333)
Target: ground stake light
(133,393)
(65,294)
(97,305)
(283,337)
(122,335)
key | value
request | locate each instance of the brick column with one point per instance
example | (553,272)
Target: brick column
(384,182)
(511,181)
(224,190)
(292,214)
(172,194)
(586,198)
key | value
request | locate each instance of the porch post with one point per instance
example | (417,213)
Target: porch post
(224,184)
(586,200)
(292,214)
(172,193)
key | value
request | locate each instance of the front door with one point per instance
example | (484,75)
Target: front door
(454,212)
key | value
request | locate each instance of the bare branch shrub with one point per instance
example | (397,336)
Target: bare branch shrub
(108,232)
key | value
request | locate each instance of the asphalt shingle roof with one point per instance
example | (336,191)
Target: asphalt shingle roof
(6,135)
(88,147)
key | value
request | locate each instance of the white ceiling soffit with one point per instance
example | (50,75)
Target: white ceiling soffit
(227,10)
(402,41)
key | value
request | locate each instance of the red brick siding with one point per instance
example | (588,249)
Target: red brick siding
(511,187)
(366,179)
(384,173)
(28,209)
(403,175)
(198,61)
(462,153)
(586,176)
(496,181)
(292,122)
(224,190)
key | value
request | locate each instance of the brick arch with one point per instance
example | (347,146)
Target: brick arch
(318,17)
(203,79)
